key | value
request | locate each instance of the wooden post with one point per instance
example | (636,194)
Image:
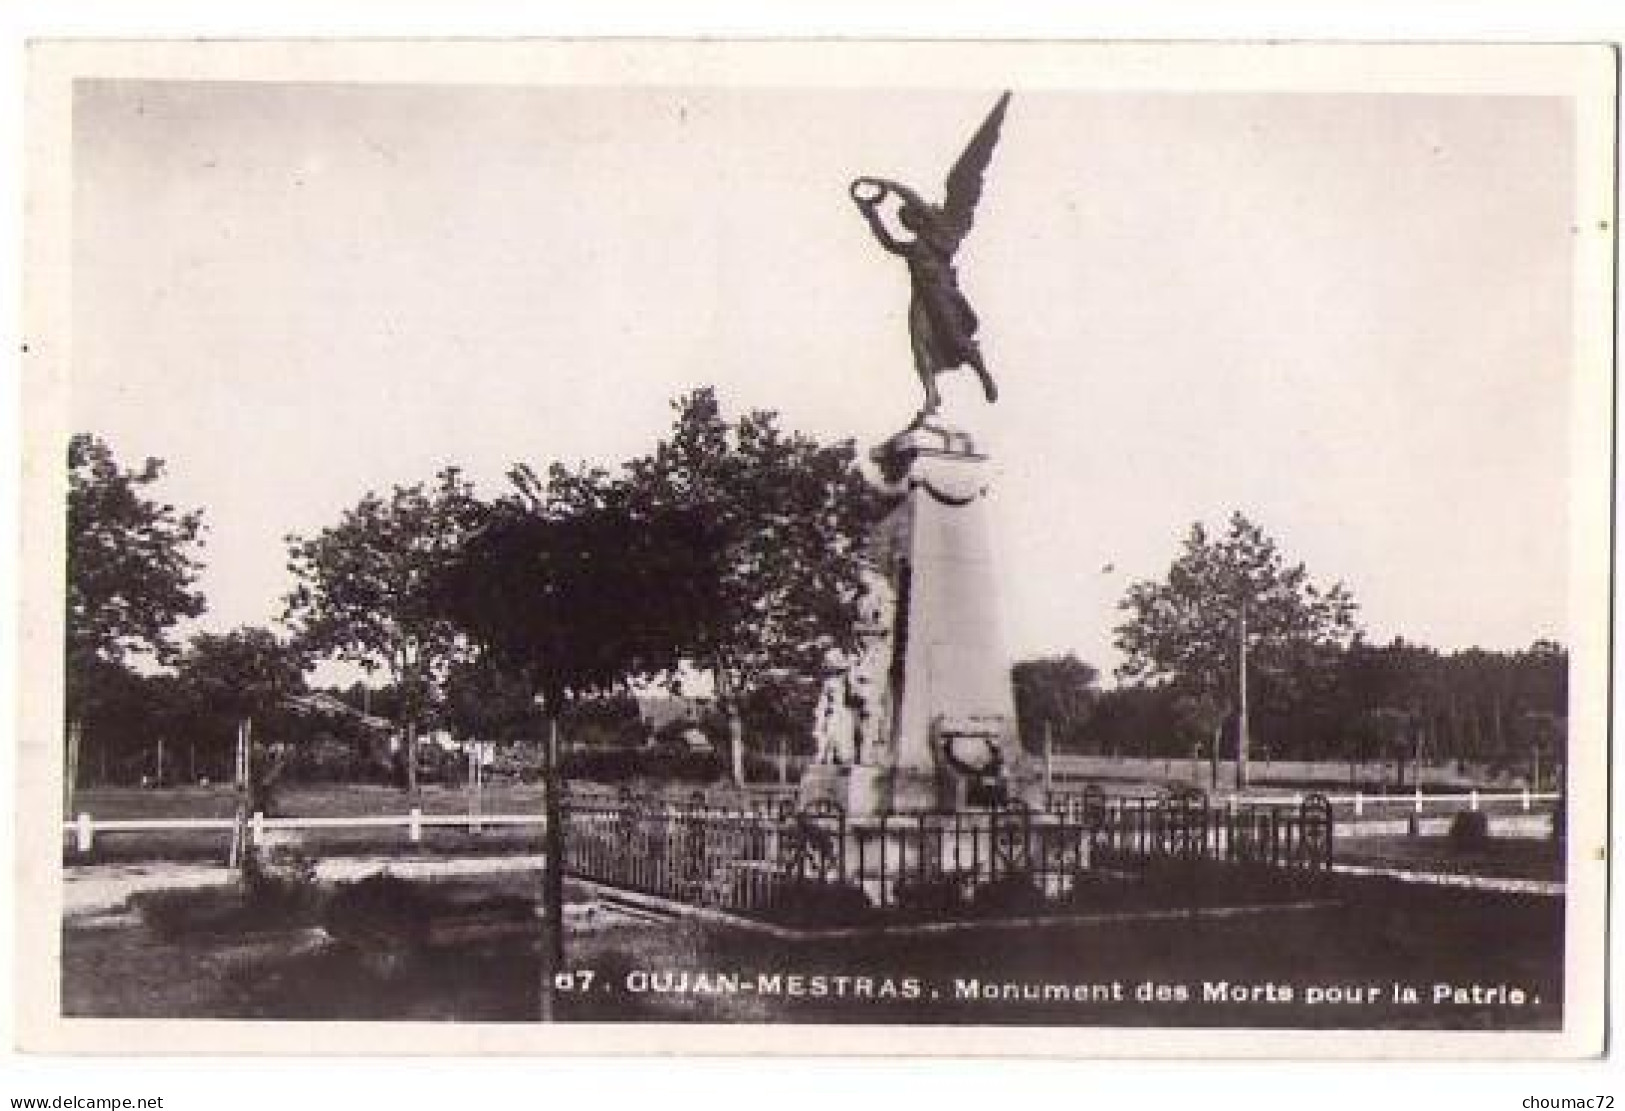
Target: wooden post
(412,757)
(158,772)
(414,824)
(84,832)
(239,828)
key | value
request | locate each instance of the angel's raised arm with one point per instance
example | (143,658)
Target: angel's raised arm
(867,193)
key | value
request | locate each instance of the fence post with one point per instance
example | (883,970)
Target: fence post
(1472,798)
(1526,799)
(414,826)
(259,828)
(83,832)
(1359,804)
(1418,800)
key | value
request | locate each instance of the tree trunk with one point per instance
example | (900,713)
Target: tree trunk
(1241,703)
(412,757)
(240,778)
(70,780)
(1049,760)
(729,703)
(553,871)
(736,744)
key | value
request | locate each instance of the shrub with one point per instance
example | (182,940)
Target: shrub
(380,909)
(818,903)
(326,758)
(227,909)
(1469,828)
(1013,894)
(622,765)
(280,879)
(939,896)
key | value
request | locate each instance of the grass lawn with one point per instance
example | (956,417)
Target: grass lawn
(1135,973)
(1524,858)
(1512,857)
(306,801)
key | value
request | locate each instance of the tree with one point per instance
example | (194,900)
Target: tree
(131,575)
(243,676)
(1055,696)
(793,519)
(364,589)
(1231,612)
(574,591)
(247,671)
(484,702)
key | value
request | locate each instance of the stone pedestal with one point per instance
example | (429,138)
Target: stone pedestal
(824,783)
(934,679)
(871,791)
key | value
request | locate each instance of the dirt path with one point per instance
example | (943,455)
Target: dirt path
(100,888)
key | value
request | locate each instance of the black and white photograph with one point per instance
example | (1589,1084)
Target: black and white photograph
(1086,548)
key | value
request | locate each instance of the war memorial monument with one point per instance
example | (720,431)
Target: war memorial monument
(922,717)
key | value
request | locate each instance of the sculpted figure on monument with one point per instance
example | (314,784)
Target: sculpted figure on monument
(942,325)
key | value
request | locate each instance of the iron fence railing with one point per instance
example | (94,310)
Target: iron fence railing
(753,862)
(756,857)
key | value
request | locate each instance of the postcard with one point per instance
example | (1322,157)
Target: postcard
(843,547)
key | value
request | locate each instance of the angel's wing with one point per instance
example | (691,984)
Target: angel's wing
(965,179)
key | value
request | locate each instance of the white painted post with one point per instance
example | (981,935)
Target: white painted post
(1526,799)
(83,832)
(259,827)
(1359,804)
(1419,800)
(415,826)
(1472,798)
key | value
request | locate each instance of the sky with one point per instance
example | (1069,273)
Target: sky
(1347,316)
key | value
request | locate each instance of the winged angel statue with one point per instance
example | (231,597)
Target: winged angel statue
(942,325)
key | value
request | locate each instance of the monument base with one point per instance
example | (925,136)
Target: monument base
(919,790)
(869,792)
(823,783)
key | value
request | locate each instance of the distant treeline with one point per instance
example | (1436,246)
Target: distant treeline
(1502,710)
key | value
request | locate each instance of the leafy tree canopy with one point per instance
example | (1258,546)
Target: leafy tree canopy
(1185,628)
(363,588)
(792,518)
(249,671)
(1054,693)
(131,562)
(575,588)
